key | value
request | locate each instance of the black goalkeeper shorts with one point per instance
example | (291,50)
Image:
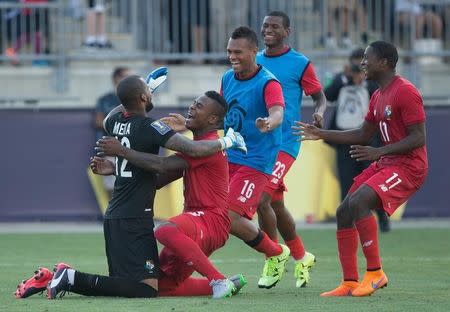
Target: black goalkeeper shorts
(131,248)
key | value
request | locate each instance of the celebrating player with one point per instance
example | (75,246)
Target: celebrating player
(256,108)
(296,75)
(203,227)
(130,244)
(399,169)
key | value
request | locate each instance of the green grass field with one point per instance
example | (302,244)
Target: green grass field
(417,262)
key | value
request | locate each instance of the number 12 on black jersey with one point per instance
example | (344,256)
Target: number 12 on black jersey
(122,163)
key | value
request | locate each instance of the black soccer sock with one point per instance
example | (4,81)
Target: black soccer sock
(254,242)
(97,285)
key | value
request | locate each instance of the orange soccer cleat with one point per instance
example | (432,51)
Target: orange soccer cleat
(373,280)
(38,282)
(35,284)
(345,289)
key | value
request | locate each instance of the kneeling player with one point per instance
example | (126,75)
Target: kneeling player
(128,227)
(203,227)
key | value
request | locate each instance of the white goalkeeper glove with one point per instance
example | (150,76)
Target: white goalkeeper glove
(233,140)
(156,78)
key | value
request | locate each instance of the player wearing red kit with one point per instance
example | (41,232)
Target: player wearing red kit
(256,111)
(203,227)
(297,76)
(399,169)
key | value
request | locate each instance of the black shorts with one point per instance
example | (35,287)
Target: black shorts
(131,248)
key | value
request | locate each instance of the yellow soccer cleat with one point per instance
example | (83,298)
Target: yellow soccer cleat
(274,269)
(302,269)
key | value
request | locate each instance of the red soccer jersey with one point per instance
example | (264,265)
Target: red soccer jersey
(394,108)
(206,180)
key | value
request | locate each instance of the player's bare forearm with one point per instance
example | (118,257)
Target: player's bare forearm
(320,105)
(167,178)
(276,114)
(154,163)
(354,136)
(361,135)
(416,138)
(192,148)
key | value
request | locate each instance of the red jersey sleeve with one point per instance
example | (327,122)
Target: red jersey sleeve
(309,82)
(410,104)
(195,162)
(273,94)
(370,116)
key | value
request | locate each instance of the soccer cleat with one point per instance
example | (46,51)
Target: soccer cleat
(274,268)
(373,280)
(302,269)
(239,282)
(60,265)
(223,288)
(345,289)
(35,284)
(59,283)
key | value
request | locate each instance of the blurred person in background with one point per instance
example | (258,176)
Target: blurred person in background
(425,19)
(95,25)
(189,27)
(351,92)
(104,105)
(344,11)
(25,25)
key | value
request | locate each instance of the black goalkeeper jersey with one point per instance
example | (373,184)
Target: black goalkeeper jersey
(135,188)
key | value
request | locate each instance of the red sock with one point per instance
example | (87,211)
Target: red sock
(187,250)
(268,246)
(347,240)
(296,247)
(190,287)
(368,235)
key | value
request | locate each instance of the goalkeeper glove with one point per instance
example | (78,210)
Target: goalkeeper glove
(233,140)
(156,78)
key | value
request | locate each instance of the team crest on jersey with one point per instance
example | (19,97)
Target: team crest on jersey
(149,266)
(388,112)
(161,127)
(235,116)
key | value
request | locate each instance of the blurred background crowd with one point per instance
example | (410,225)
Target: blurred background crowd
(60,60)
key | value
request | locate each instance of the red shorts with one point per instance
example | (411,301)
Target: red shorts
(208,229)
(393,184)
(246,187)
(276,186)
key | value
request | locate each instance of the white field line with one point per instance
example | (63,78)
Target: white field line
(82,227)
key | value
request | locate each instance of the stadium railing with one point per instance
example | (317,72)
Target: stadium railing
(197,30)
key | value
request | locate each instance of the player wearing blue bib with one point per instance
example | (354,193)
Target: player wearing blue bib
(242,94)
(256,108)
(296,75)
